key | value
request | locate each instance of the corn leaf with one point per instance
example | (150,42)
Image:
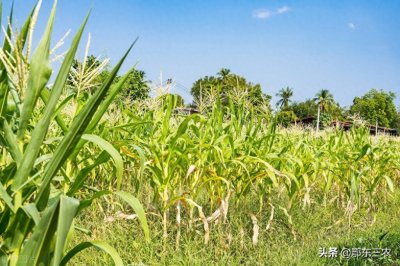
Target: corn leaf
(68,209)
(41,128)
(11,141)
(138,208)
(31,210)
(4,196)
(114,90)
(96,244)
(103,144)
(83,173)
(35,249)
(77,128)
(39,75)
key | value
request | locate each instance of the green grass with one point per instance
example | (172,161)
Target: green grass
(275,247)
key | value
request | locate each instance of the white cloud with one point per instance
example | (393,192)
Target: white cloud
(282,10)
(262,14)
(266,14)
(351,26)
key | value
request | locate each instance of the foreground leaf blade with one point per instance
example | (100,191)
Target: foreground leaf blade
(96,244)
(138,208)
(105,145)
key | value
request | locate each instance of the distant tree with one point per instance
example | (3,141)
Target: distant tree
(207,84)
(285,95)
(224,73)
(397,122)
(377,107)
(304,109)
(136,87)
(92,61)
(337,112)
(285,117)
(309,108)
(225,84)
(324,100)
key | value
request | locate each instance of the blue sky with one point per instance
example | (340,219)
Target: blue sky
(347,47)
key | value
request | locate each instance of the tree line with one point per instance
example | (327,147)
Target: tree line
(374,107)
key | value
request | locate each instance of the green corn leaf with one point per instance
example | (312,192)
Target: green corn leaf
(7,173)
(3,257)
(366,149)
(11,141)
(114,91)
(143,159)
(43,158)
(18,227)
(39,75)
(63,104)
(4,219)
(138,208)
(96,244)
(31,210)
(77,128)
(68,209)
(82,175)
(132,201)
(183,127)
(383,235)
(37,247)
(4,196)
(171,102)
(87,202)
(105,145)
(45,95)
(4,90)
(3,94)
(41,128)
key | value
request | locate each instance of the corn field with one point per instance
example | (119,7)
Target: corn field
(63,147)
(209,161)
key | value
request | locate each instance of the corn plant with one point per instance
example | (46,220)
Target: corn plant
(231,153)
(37,187)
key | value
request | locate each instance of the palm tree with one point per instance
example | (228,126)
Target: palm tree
(324,99)
(224,73)
(225,76)
(284,95)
